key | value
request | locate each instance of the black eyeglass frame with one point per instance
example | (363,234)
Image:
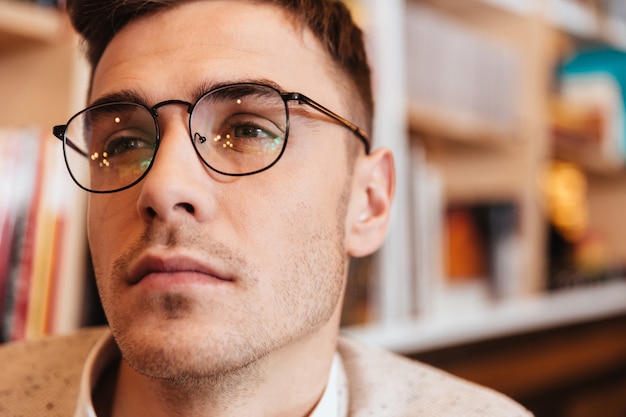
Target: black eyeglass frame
(59,131)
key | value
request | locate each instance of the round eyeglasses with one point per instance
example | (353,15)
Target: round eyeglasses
(236,129)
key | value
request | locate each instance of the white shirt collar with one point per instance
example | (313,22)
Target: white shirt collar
(334,401)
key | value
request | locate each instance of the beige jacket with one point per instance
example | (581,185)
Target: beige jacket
(42,378)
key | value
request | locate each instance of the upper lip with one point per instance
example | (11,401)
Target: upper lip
(153,262)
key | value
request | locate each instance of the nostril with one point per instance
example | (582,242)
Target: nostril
(187,207)
(151,212)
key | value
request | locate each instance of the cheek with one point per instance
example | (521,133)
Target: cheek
(285,222)
(283,215)
(312,263)
(109,225)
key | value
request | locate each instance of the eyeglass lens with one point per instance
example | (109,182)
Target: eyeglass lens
(236,130)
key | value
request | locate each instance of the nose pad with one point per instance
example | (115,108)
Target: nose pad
(198,137)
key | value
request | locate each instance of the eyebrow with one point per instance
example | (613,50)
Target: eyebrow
(132,96)
(206,86)
(127,96)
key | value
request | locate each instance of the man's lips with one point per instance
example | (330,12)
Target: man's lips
(173,265)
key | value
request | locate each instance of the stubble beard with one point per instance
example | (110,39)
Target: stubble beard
(175,358)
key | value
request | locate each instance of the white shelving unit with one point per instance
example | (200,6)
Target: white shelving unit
(387,42)
(496,320)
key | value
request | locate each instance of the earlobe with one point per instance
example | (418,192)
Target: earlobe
(374,185)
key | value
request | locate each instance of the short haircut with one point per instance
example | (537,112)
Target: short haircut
(330,22)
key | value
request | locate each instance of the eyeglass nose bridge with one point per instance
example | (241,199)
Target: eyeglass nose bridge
(190,108)
(154,109)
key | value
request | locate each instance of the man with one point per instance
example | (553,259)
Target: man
(223,212)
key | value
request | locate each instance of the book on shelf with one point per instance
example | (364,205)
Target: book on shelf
(427,202)
(594,82)
(42,240)
(454,69)
(481,256)
(466,254)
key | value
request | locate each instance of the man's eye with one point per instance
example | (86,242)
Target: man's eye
(123,145)
(250,131)
(255,136)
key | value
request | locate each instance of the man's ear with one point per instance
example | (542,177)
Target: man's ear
(372,194)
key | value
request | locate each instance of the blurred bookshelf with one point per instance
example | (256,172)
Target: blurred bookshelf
(507,245)
(484,102)
(506,255)
(43,248)
(23,23)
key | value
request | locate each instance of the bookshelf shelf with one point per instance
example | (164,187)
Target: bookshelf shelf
(22,24)
(499,319)
(457,126)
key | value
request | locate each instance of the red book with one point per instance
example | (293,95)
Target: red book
(24,277)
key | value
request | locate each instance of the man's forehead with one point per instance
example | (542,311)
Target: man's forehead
(193,46)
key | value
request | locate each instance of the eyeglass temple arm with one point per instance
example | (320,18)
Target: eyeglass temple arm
(59,133)
(301,98)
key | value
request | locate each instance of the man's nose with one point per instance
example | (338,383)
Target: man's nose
(178,183)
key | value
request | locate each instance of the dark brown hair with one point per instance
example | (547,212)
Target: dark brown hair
(329,20)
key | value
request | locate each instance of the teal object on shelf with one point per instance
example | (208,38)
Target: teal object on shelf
(601,62)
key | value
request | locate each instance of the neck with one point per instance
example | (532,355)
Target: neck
(287,383)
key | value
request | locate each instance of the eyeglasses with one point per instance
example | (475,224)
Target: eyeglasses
(237,129)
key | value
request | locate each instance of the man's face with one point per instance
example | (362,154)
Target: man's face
(201,273)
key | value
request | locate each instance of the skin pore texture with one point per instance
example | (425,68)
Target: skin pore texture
(224,293)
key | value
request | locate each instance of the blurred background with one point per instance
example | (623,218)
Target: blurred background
(506,253)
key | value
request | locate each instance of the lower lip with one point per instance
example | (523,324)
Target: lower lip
(170,280)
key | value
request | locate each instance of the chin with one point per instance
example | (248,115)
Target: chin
(187,352)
